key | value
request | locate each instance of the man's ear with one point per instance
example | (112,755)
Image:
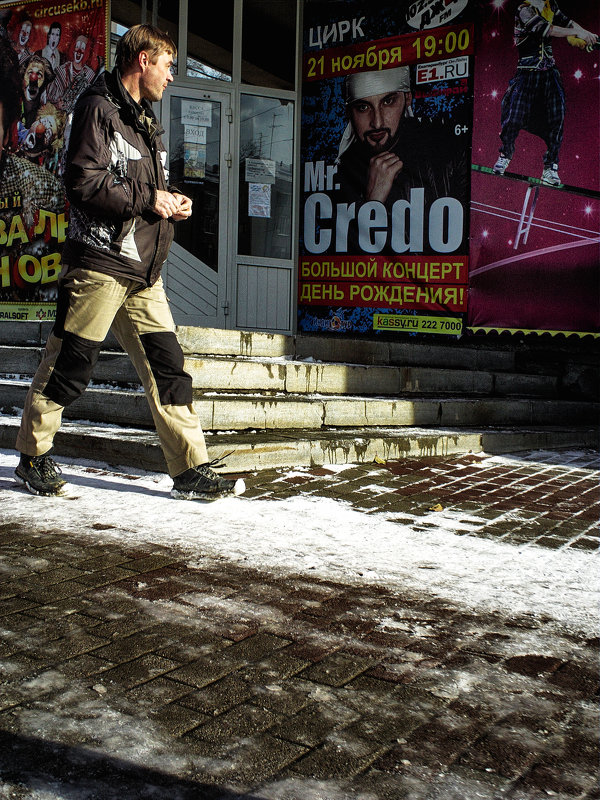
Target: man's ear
(143,59)
(408,109)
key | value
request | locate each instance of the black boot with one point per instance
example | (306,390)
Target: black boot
(40,474)
(203,483)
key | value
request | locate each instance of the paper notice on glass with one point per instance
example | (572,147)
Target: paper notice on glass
(259,200)
(194,160)
(196,112)
(260,170)
(195,134)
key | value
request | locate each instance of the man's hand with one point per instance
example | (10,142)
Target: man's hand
(185,207)
(383,168)
(166,204)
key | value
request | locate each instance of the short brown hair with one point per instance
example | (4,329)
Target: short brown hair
(142,37)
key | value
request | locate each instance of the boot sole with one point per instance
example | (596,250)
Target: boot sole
(238,488)
(57,492)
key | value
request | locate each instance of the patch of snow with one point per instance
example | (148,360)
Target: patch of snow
(319,537)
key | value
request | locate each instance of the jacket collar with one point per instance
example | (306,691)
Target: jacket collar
(138,115)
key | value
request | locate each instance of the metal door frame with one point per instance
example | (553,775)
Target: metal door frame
(223,277)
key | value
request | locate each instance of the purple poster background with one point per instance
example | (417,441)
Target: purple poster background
(548,282)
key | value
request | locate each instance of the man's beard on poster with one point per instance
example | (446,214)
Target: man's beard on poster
(386,143)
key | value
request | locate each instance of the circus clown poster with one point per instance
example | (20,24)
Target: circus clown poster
(49,54)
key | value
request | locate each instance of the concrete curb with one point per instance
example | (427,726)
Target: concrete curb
(241,412)
(248,452)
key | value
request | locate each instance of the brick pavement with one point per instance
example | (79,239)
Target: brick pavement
(127,672)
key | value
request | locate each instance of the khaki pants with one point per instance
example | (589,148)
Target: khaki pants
(89,305)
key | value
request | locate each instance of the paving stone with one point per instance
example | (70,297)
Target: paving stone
(44,595)
(13,605)
(12,590)
(139,671)
(177,719)
(337,669)
(62,649)
(312,724)
(238,723)
(59,609)
(123,626)
(185,648)
(102,560)
(150,563)
(259,759)
(202,672)
(281,697)
(9,698)
(130,647)
(218,696)
(84,666)
(338,758)
(256,647)
(103,577)
(279,666)
(52,576)
(159,692)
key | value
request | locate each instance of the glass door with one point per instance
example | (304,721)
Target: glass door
(197,131)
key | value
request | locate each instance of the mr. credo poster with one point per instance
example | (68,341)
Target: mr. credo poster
(387,119)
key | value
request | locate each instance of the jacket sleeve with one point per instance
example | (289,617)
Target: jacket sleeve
(96,178)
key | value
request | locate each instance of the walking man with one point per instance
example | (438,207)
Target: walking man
(120,230)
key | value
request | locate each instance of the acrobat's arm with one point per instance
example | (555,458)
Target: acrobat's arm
(588,38)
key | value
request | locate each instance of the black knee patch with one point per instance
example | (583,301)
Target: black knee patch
(166,361)
(62,306)
(73,369)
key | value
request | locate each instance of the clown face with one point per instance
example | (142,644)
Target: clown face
(24,33)
(79,51)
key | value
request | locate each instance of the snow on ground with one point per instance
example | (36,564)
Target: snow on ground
(318,537)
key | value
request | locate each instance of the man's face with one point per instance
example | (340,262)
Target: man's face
(79,51)
(156,77)
(25,33)
(53,38)
(376,118)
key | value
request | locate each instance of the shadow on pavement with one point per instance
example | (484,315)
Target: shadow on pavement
(93,480)
(78,773)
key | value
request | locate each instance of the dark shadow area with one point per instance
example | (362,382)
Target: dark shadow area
(78,773)
(78,481)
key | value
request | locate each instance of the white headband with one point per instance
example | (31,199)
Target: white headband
(365,84)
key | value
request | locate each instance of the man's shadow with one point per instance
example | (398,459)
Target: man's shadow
(76,481)
(79,773)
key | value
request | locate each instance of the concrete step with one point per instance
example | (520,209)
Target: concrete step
(246,452)
(513,354)
(574,365)
(283,375)
(238,412)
